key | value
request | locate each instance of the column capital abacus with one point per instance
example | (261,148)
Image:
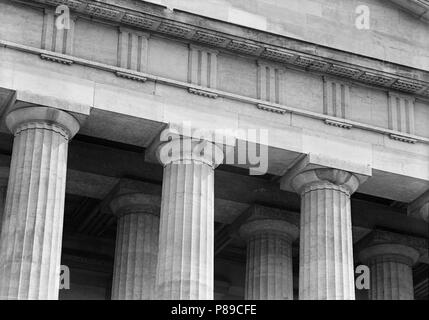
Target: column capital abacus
(389,252)
(383,244)
(280,228)
(185,144)
(316,172)
(135,203)
(185,150)
(267,220)
(325,178)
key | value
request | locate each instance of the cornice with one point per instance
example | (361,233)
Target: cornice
(419,8)
(153,21)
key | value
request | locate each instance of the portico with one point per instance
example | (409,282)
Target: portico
(85,184)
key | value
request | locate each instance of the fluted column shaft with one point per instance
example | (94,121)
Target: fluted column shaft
(136,247)
(326,247)
(269,273)
(30,245)
(391,271)
(3,189)
(186,241)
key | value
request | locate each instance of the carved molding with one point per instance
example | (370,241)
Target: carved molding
(130,76)
(344,71)
(338,124)
(203,93)
(54,58)
(209,38)
(271,108)
(378,236)
(72,4)
(407,86)
(175,30)
(402,138)
(244,46)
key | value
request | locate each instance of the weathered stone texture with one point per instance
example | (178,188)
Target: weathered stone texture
(31,236)
(269,273)
(185,261)
(326,247)
(136,247)
(391,271)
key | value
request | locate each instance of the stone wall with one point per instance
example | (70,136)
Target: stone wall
(393,34)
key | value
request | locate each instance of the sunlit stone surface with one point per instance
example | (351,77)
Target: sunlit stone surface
(31,236)
(326,269)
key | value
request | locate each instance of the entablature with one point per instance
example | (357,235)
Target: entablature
(261,45)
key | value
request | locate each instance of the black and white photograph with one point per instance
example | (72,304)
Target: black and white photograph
(180,151)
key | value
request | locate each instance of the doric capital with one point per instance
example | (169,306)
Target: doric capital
(265,220)
(188,150)
(135,203)
(319,171)
(187,144)
(43,118)
(269,226)
(384,245)
(325,178)
(389,252)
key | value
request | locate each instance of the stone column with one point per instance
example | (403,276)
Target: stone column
(326,247)
(30,245)
(391,271)
(186,240)
(269,273)
(136,246)
(3,189)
